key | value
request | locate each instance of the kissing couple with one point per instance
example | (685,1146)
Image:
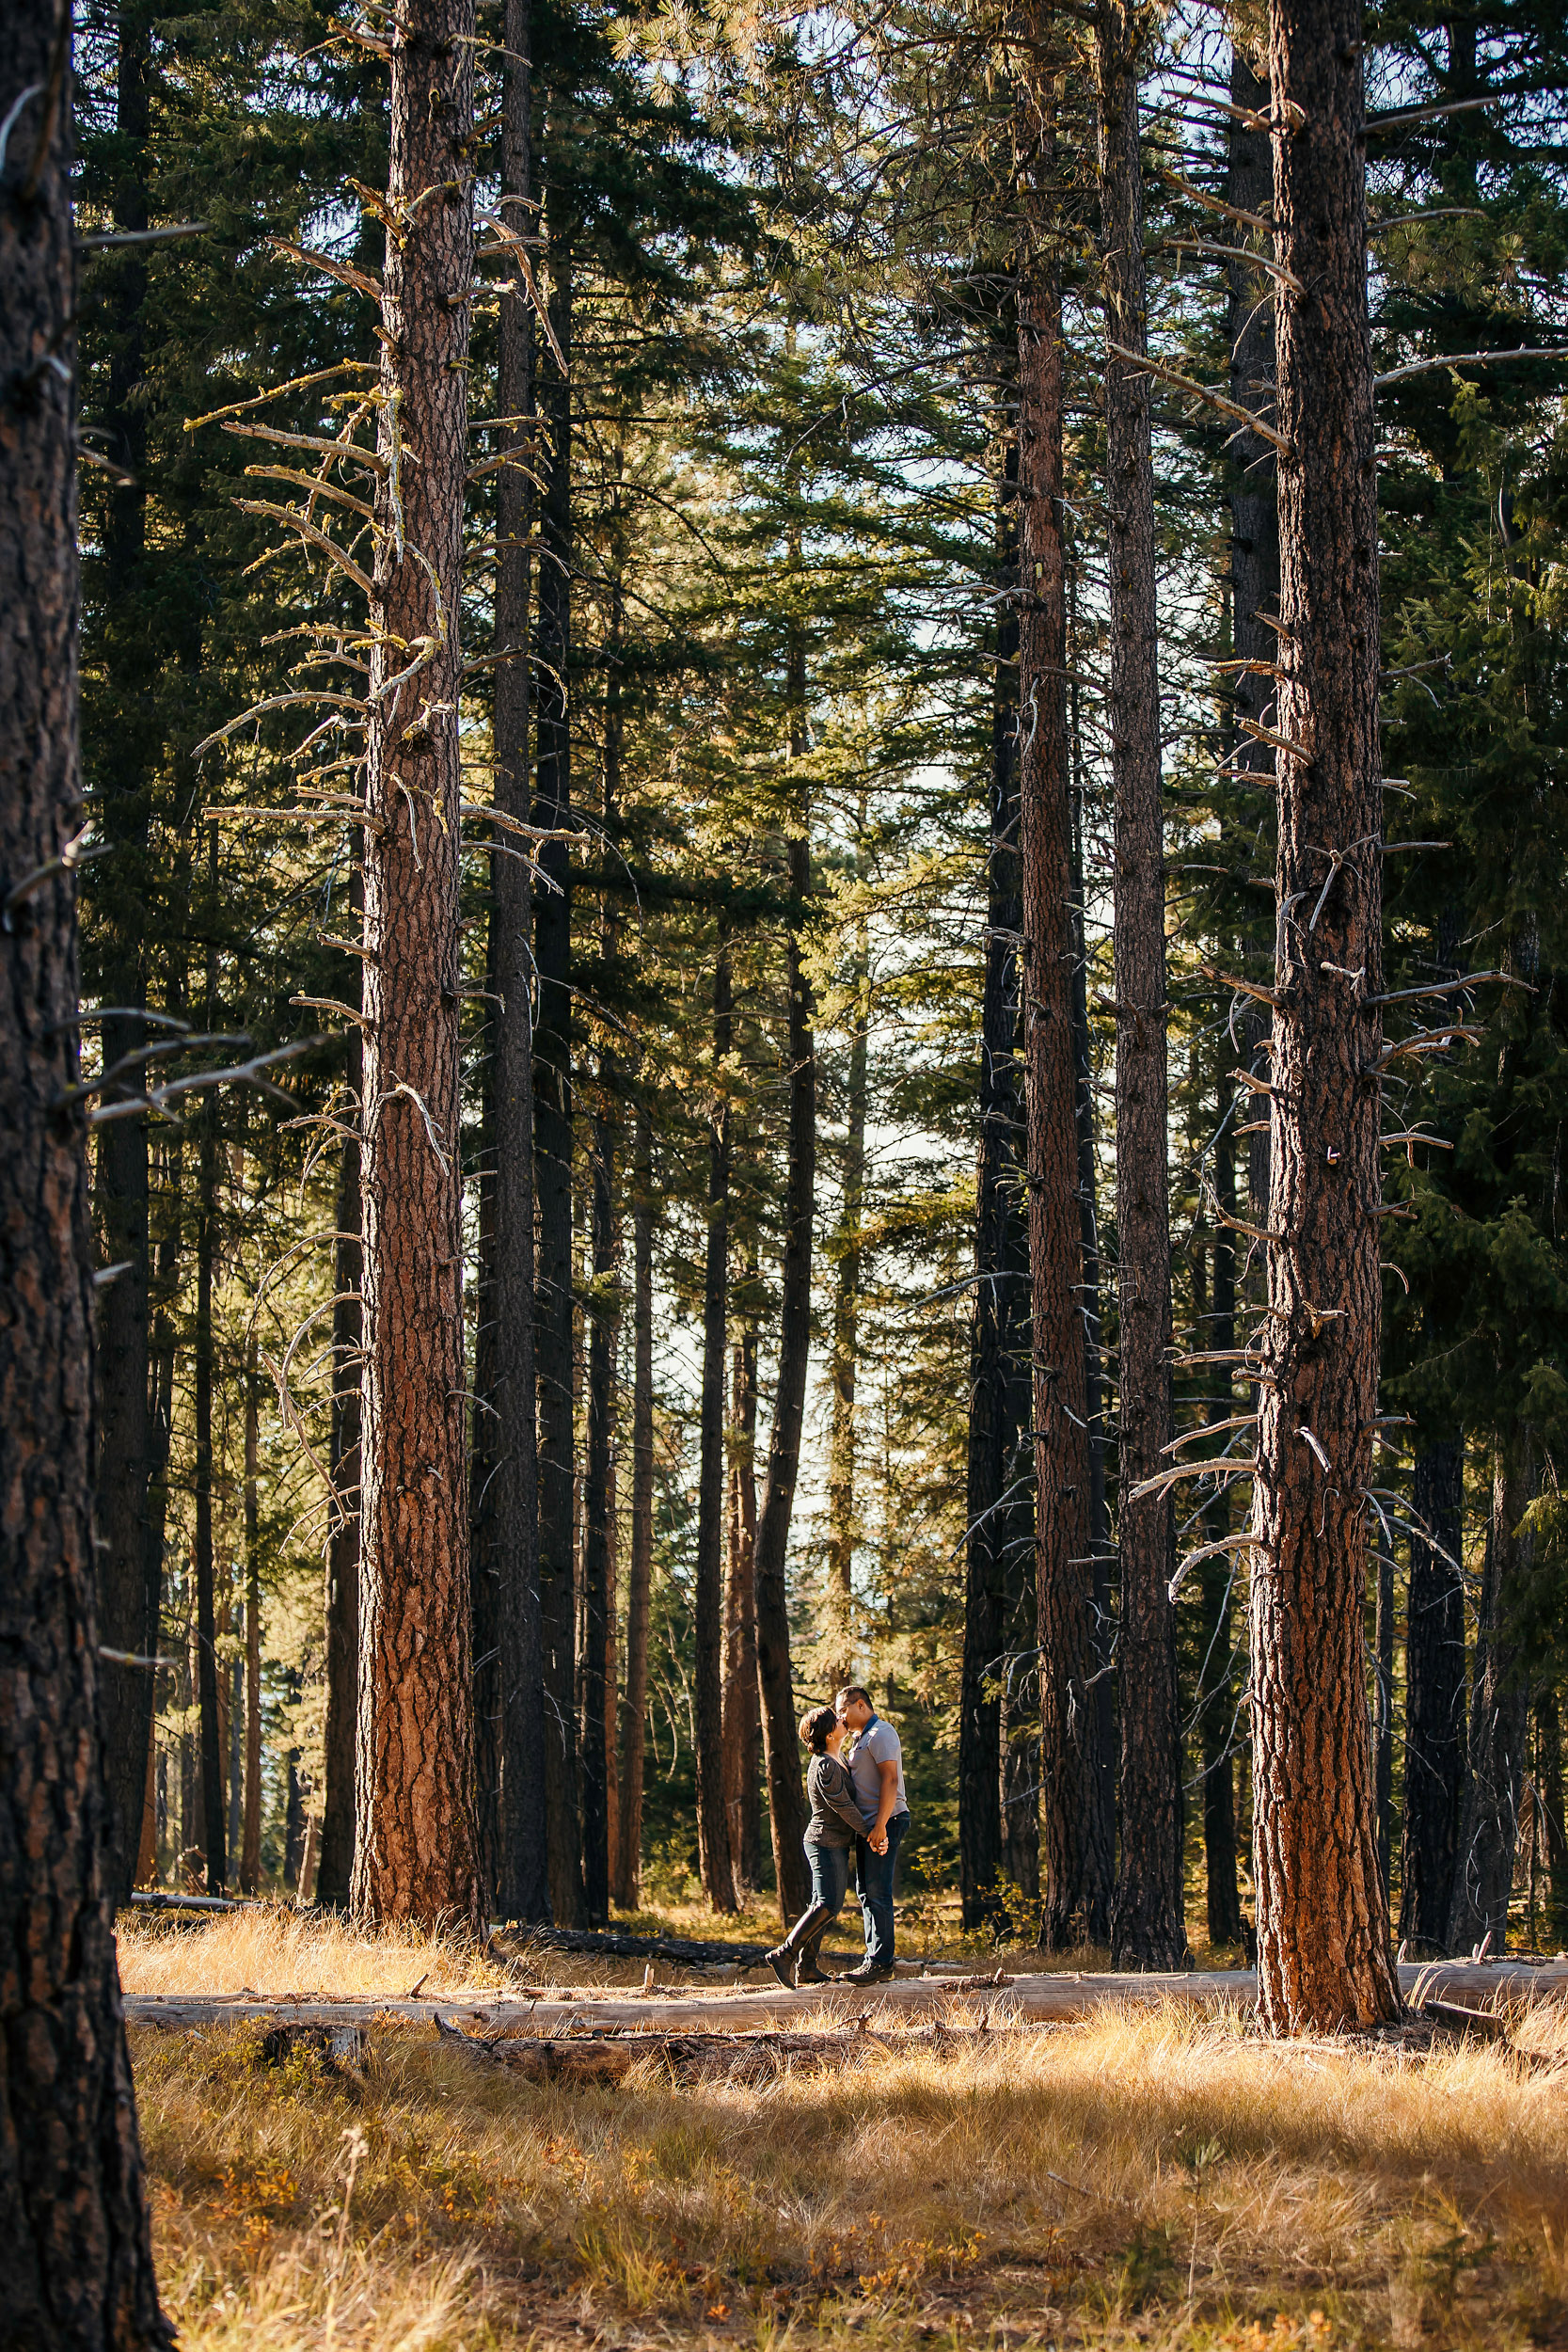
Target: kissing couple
(858,1808)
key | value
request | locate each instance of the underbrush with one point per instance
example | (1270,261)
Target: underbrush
(1157,2178)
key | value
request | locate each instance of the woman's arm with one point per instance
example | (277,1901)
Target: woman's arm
(834,1783)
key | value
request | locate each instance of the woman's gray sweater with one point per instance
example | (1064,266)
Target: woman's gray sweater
(835,1817)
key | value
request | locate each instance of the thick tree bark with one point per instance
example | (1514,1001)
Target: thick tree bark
(74,2218)
(335,1870)
(634,1697)
(713,1827)
(1434,1699)
(775,1685)
(997,1499)
(552,1116)
(1075,1869)
(1499,1716)
(742,1714)
(1147,1926)
(1323,1960)
(415,1853)
(129,1569)
(839,1665)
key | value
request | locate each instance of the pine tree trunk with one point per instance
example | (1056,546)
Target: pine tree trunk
(74,2217)
(1102,1629)
(415,1852)
(1075,1870)
(742,1714)
(250,1835)
(1383,1711)
(202,1386)
(1217,1709)
(335,1870)
(840,1665)
(552,1116)
(1434,1699)
(130,1571)
(1324,1958)
(1499,1716)
(600,1504)
(1148,1929)
(634,1697)
(1554,1826)
(713,1827)
(781,1740)
(996,1500)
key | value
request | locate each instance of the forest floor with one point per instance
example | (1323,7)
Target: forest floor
(1162,2177)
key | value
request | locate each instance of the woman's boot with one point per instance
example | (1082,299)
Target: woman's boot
(809,1968)
(783,1957)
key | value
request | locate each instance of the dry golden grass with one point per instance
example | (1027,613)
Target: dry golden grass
(1156,2179)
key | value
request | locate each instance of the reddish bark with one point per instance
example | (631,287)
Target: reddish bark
(415,1852)
(1324,1958)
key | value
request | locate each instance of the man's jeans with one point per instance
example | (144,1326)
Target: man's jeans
(874,1873)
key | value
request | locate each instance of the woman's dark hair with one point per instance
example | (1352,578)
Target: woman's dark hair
(814,1728)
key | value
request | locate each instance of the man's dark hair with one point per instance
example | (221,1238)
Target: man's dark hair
(858,1691)
(816,1727)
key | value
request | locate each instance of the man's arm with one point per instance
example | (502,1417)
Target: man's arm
(877,1833)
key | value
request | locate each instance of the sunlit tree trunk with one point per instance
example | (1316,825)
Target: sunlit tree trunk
(634,1695)
(1324,1958)
(73,2215)
(415,1853)
(713,1828)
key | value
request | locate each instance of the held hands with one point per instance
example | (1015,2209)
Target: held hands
(878,1841)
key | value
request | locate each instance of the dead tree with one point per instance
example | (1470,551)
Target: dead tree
(73,2217)
(416,1853)
(1324,1958)
(1147,1926)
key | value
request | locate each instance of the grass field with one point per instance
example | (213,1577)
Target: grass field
(1154,2178)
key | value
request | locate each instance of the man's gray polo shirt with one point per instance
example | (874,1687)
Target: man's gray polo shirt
(876,1744)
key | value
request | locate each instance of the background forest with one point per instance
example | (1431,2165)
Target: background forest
(764,271)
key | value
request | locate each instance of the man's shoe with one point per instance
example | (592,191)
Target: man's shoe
(866,1974)
(781,1960)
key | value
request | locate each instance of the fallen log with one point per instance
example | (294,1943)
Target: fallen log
(1058,1999)
(684,1951)
(731,2058)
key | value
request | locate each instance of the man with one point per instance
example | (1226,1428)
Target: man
(877,1769)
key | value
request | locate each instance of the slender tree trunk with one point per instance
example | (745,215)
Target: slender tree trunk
(1434,1699)
(846,1289)
(201,1384)
(74,2217)
(1148,1927)
(415,1853)
(713,1827)
(1554,1824)
(552,1113)
(1324,1958)
(1499,1716)
(1383,1711)
(129,1576)
(742,1715)
(599,1505)
(634,1697)
(997,1501)
(335,1870)
(781,1740)
(1076,1871)
(250,1831)
(1217,1689)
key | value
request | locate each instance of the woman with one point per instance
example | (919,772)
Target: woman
(829,1841)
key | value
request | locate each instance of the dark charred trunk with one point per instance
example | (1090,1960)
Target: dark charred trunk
(633,1698)
(416,1853)
(74,2217)
(1323,1956)
(202,1374)
(997,1501)
(552,1121)
(1499,1717)
(1434,1699)
(780,1742)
